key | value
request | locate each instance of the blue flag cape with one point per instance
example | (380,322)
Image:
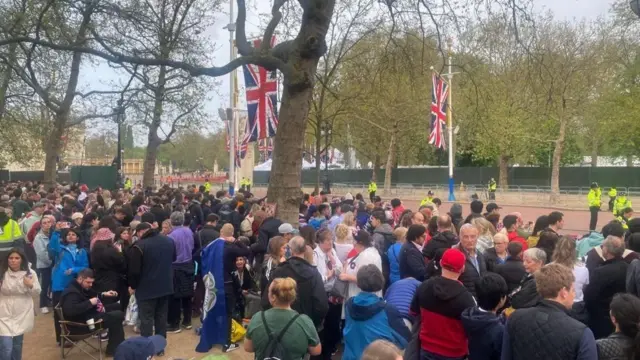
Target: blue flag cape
(215,326)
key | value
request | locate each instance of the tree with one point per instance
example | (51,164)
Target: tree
(296,59)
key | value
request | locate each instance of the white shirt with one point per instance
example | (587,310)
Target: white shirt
(581,273)
(321,259)
(366,257)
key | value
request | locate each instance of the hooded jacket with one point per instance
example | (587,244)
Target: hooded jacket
(383,237)
(400,294)
(312,299)
(66,257)
(484,330)
(589,242)
(438,244)
(267,230)
(441,301)
(456,216)
(369,318)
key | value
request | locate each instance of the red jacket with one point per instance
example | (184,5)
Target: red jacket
(513,236)
(396,213)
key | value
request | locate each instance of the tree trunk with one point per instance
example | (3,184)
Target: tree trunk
(390,160)
(284,183)
(630,161)
(503,176)
(151,154)
(6,79)
(53,149)
(376,166)
(555,165)
(594,153)
(318,145)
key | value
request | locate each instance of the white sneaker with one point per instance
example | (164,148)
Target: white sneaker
(44,310)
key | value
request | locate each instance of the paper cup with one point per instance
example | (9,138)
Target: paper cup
(91,324)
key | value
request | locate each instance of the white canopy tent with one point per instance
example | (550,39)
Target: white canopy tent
(266,166)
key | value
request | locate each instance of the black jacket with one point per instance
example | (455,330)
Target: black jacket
(471,273)
(109,265)
(312,298)
(526,295)
(545,331)
(604,282)
(439,244)
(491,259)
(512,271)
(411,262)
(614,347)
(267,230)
(150,266)
(159,213)
(197,216)
(232,251)
(205,236)
(633,278)
(76,305)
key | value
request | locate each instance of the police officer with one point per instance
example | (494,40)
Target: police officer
(621,203)
(594,204)
(372,190)
(492,189)
(624,219)
(207,186)
(428,199)
(128,184)
(613,192)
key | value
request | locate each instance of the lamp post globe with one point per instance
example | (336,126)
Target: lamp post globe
(635,7)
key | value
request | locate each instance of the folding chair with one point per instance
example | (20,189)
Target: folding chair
(78,340)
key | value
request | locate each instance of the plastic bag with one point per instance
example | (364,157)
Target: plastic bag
(237,332)
(131,316)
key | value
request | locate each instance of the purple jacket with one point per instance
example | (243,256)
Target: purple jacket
(182,237)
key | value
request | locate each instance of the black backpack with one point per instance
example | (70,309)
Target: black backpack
(275,350)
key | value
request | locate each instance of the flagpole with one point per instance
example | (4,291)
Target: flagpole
(232,118)
(452,196)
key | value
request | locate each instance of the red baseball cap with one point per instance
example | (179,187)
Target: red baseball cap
(453,260)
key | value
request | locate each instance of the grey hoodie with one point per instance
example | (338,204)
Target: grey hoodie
(379,235)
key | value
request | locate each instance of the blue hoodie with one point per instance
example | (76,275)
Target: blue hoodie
(484,331)
(589,242)
(65,257)
(369,318)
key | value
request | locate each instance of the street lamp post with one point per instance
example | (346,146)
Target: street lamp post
(326,132)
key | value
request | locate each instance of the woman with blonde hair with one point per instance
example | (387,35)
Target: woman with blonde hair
(393,253)
(381,350)
(566,253)
(297,332)
(275,256)
(486,231)
(344,242)
(349,219)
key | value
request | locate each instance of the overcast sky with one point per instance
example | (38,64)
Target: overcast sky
(102,74)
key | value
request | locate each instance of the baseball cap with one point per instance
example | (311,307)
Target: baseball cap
(492,206)
(140,348)
(287,228)
(453,260)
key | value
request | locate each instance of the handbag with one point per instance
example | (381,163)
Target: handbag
(340,288)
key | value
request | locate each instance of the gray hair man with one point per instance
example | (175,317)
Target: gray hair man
(475,262)
(312,298)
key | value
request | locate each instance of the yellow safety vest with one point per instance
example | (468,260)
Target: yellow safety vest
(621,204)
(613,193)
(207,187)
(623,221)
(594,197)
(373,187)
(427,200)
(492,186)
(128,185)
(9,233)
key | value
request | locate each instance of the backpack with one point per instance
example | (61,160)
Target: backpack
(275,350)
(226,216)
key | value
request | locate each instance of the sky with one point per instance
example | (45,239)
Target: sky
(99,76)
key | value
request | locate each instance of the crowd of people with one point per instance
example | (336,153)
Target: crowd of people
(364,278)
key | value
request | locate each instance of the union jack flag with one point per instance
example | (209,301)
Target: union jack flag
(265,146)
(439,101)
(241,146)
(261,88)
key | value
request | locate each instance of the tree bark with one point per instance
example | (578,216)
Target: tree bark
(594,153)
(503,176)
(630,161)
(376,166)
(53,149)
(555,164)
(390,160)
(154,141)
(318,145)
